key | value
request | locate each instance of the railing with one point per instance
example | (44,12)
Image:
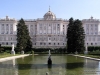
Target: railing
(97,20)
(30,19)
(42,19)
(39,19)
(9,19)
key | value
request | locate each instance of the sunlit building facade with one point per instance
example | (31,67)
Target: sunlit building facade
(48,32)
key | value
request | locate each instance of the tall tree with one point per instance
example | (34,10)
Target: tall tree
(70,36)
(75,36)
(23,38)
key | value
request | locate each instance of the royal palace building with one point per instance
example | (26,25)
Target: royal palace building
(48,32)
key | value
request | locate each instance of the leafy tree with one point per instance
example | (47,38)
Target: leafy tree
(75,36)
(23,39)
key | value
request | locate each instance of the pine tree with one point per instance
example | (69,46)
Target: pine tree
(70,36)
(79,36)
(23,38)
(75,36)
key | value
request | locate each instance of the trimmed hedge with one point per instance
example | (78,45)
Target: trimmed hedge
(5,49)
(35,50)
(45,50)
(93,48)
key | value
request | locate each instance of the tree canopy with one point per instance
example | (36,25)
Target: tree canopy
(75,36)
(23,39)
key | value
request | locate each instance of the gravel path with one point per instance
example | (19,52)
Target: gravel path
(86,57)
(13,57)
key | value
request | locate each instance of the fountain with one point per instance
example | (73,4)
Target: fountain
(47,73)
(12,51)
(49,59)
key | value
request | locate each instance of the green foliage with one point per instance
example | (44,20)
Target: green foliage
(45,50)
(93,48)
(23,38)
(1,50)
(75,36)
(5,49)
(70,35)
(97,52)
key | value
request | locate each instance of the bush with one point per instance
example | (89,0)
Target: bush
(93,48)
(45,50)
(1,50)
(97,52)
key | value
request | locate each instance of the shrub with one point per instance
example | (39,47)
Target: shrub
(93,48)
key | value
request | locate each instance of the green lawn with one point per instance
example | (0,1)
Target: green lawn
(3,55)
(93,56)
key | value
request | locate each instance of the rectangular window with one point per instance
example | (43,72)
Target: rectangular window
(58,25)
(49,43)
(44,43)
(40,26)
(40,43)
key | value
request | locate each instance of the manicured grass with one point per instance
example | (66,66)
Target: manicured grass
(3,55)
(93,56)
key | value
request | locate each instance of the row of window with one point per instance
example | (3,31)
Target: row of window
(49,44)
(49,32)
(95,33)
(92,43)
(6,43)
(3,38)
(92,39)
(7,32)
(95,25)
(49,39)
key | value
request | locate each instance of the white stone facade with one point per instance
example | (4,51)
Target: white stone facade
(48,32)
(92,31)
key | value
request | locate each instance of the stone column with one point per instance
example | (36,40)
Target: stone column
(4,29)
(0,29)
(9,29)
(56,29)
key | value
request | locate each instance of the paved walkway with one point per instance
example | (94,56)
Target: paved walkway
(86,57)
(13,57)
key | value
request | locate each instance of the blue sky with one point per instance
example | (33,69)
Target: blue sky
(33,9)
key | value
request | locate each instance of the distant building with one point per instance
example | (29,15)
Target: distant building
(48,32)
(92,31)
